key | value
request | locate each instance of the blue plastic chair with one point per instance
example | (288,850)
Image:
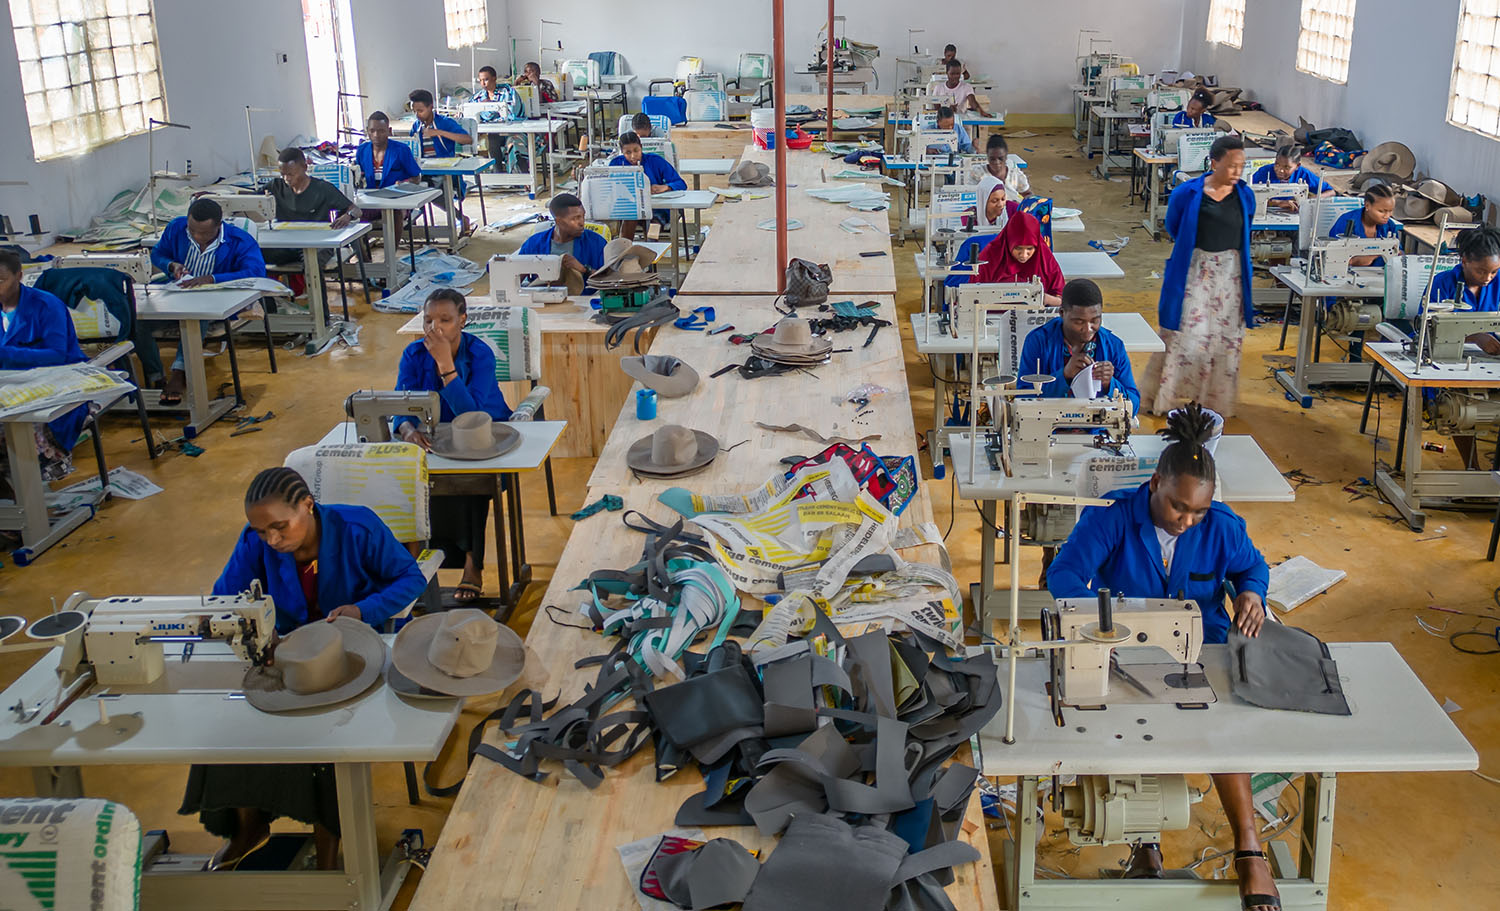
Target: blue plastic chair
(672,107)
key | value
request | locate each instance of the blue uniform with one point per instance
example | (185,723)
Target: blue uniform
(658,170)
(40,334)
(1182,225)
(238,255)
(588,247)
(359,562)
(399,164)
(1115,547)
(1181,119)
(962,144)
(442,146)
(1447,286)
(1351,224)
(1047,346)
(1267,174)
(476,388)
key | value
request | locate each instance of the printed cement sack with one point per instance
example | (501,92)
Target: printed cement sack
(68,855)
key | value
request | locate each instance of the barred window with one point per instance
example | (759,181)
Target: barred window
(1226,22)
(1474,94)
(1323,43)
(468,22)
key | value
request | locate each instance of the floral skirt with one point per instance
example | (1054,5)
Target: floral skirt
(1202,360)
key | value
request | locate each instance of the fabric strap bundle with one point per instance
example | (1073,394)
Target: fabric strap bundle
(658,312)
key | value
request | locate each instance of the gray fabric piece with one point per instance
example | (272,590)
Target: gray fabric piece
(822,862)
(892,789)
(871,657)
(794,783)
(719,873)
(789,697)
(713,749)
(1285,668)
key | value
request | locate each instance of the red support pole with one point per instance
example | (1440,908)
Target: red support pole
(828,111)
(778,85)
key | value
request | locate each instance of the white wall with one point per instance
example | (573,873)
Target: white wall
(216,58)
(397,40)
(1399,70)
(1027,48)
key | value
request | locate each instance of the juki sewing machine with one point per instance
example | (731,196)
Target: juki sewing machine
(508,273)
(1441,333)
(137,265)
(372,411)
(1265,192)
(257,207)
(974,304)
(1329,259)
(1029,428)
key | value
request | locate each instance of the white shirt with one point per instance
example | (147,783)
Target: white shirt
(959,94)
(1168,542)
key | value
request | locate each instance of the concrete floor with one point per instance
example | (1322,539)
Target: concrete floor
(1401,840)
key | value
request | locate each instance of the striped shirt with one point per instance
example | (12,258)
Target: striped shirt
(200,262)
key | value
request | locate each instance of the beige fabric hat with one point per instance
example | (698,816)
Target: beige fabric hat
(751,174)
(672,450)
(1410,208)
(1457,215)
(1390,158)
(1438,192)
(321,663)
(669,376)
(793,338)
(625,263)
(460,652)
(473,436)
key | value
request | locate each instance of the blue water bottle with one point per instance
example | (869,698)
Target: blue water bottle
(645,405)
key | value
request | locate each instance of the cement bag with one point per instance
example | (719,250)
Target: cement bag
(389,478)
(79,854)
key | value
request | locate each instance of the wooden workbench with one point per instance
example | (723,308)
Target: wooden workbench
(1255,122)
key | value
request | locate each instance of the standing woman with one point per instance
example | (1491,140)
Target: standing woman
(461,368)
(1205,303)
(317,562)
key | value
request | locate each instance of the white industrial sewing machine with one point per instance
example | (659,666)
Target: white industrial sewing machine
(137,265)
(1441,332)
(1090,669)
(1265,192)
(973,304)
(1030,426)
(508,272)
(372,411)
(1328,260)
(257,207)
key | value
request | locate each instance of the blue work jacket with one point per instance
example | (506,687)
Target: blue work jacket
(1448,284)
(359,562)
(658,170)
(588,247)
(400,164)
(41,335)
(476,388)
(1182,225)
(1115,547)
(237,257)
(1350,224)
(1181,120)
(1047,346)
(1267,174)
(442,147)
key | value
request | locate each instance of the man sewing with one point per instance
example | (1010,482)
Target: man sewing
(642,126)
(1076,341)
(1169,539)
(440,137)
(947,123)
(531,74)
(381,162)
(956,91)
(582,250)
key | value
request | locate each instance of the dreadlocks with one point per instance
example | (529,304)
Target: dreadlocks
(1188,429)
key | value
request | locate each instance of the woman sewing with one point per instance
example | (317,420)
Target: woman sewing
(317,562)
(461,368)
(1019,254)
(1169,539)
(1195,112)
(995,205)
(1371,220)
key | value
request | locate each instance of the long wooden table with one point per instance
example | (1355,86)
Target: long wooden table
(513,843)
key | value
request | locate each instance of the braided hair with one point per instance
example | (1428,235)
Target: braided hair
(1188,429)
(1479,243)
(283,484)
(1378,191)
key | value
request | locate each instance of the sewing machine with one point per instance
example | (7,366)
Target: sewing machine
(372,411)
(1265,192)
(1441,333)
(1090,672)
(257,207)
(508,272)
(1328,260)
(1031,423)
(973,304)
(137,265)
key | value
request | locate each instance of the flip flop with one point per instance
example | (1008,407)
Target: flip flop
(217,863)
(174,389)
(1256,899)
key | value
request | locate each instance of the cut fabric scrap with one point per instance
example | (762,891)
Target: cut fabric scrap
(1285,668)
(608,501)
(814,435)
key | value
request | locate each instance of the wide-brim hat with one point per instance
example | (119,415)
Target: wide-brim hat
(669,376)
(1457,215)
(625,256)
(473,436)
(1391,158)
(461,652)
(1438,192)
(751,174)
(1410,208)
(793,338)
(672,450)
(320,663)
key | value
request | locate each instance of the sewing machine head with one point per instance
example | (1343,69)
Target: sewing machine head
(122,643)
(372,411)
(973,304)
(1265,192)
(1095,628)
(1446,330)
(1033,422)
(1328,260)
(257,207)
(508,272)
(137,265)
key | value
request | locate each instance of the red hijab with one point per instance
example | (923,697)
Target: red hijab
(1023,230)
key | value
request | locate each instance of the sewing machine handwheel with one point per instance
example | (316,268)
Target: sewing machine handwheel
(9,626)
(58,624)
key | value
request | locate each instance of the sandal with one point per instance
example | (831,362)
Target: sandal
(467,592)
(219,863)
(1256,899)
(172,391)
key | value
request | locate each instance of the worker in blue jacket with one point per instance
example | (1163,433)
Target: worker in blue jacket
(381,162)
(195,249)
(1075,340)
(1195,112)
(1288,168)
(1474,284)
(440,138)
(1169,539)
(581,249)
(461,368)
(662,176)
(317,562)
(1373,219)
(36,330)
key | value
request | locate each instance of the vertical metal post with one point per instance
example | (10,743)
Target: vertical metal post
(778,53)
(828,118)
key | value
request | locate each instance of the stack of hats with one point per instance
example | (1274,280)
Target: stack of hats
(792,344)
(625,265)
(751,174)
(1428,200)
(672,451)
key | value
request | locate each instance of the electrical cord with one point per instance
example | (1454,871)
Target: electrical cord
(1281,829)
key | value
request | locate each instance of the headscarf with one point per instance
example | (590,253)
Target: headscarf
(1023,230)
(987,185)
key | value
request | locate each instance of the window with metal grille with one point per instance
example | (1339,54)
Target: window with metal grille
(1323,43)
(468,22)
(1474,93)
(1226,22)
(90,72)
